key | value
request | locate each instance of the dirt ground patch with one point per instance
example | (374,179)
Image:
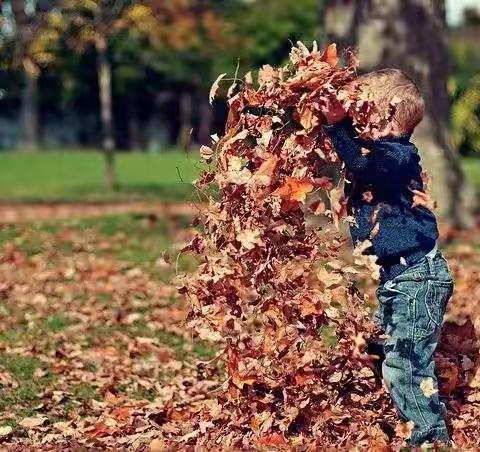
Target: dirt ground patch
(28,212)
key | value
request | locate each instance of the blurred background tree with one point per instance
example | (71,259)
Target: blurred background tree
(189,53)
(96,23)
(464,85)
(27,43)
(134,74)
(411,35)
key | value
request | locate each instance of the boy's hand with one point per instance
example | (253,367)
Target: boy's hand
(333,112)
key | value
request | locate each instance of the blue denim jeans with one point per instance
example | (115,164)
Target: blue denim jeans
(411,309)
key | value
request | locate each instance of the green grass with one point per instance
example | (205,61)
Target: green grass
(84,391)
(471,166)
(57,323)
(21,367)
(78,175)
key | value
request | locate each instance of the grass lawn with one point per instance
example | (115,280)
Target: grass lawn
(105,304)
(78,175)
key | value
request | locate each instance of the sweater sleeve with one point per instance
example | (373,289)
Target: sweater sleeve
(388,160)
(348,148)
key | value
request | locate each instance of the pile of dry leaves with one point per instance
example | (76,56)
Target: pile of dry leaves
(273,292)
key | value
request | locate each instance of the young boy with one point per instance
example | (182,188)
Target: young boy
(416,284)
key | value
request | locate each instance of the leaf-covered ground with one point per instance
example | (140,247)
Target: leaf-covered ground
(90,330)
(92,344)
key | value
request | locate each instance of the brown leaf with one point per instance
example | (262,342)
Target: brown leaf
(423,199)
(427,387)
(330,55)
(215,86)
(264,174)
(317,208)
(34,421)
(294,189)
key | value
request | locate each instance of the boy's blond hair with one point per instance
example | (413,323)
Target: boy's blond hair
(392,88)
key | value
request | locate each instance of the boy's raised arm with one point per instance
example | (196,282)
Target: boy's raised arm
(347,147)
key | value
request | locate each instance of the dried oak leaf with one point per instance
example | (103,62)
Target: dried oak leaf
(264,174)
(427,387)
(294,189)
(423,199)
(330,55)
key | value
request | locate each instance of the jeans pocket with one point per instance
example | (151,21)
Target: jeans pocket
(394,305)
(435,302)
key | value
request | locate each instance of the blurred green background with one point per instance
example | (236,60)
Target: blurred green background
(131,79)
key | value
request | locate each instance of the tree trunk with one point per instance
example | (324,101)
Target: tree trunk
(24,28)
(410,35)
(106,113)
(133,126)
(29,112)
(186,108)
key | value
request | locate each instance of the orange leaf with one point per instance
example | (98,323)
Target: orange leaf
(274,439)
(264,174)
(308,119)
(238,379)
(294,189)
(317,208)
(303,378)
(422,199)
(122,413)
(100,429)
(307,307)
(330,55)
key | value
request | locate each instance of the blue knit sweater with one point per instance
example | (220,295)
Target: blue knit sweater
(381,177)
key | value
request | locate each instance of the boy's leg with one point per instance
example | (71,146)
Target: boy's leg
(412,313)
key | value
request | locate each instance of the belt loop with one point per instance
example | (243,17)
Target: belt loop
(431,264)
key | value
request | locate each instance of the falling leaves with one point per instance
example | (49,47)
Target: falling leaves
(423,199)
(275,299)
(330,55)
(261,288)
(294,189)
(215,86)
(265,173)
(237,173)
(427,387)
(249,238)
(329,279)
(206,153)
(404,429)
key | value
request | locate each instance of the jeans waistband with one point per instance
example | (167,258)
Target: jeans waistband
(389,272)
(430,267)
